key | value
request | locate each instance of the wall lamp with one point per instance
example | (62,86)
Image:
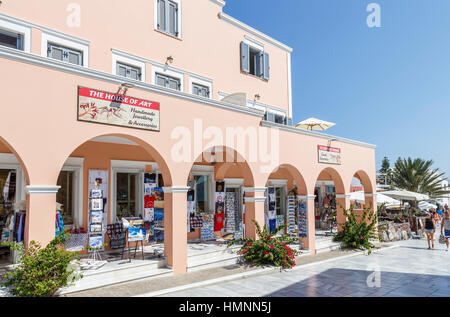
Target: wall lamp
(124,88)
(257,97)
(169,60)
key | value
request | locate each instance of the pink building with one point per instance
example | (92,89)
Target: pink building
(171,94)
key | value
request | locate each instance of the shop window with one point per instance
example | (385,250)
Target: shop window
(168,82)
(255,61)
(64,54)
(276,118)
(168,20)
(280,201)
(201,192)
(65,196)
(129,71)
(127,195)
(11,40)
(200,90)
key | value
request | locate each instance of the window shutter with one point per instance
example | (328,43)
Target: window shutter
(270,117)
(266,66)
(245,57)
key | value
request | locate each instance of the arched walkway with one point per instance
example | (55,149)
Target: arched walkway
(329,202)
(217,181)
(14,178)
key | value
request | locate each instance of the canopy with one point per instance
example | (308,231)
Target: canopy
(381,199)
(424,205)
(315,124)
(406,195)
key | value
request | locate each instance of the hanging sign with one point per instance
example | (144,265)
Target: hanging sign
(115,109)
(329,155)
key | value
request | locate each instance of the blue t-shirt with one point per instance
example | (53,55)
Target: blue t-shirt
(440,211)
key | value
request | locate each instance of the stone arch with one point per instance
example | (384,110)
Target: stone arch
(365,181)
(330,173)
(224,165)
(296,175)
(162,163)
(19,158)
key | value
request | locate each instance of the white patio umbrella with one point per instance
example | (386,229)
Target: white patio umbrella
(424,205)
(315,124)
(381,199)
(406,195)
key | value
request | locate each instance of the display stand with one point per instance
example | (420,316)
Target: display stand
(302,219)
(292,228)
(96,228)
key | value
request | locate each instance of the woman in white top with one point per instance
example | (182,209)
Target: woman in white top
(445,227)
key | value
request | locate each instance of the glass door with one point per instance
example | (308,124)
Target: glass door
(127,195)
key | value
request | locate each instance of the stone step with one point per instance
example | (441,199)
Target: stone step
(115,273)
(217,261)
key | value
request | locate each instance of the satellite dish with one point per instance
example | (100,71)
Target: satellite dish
(239,99)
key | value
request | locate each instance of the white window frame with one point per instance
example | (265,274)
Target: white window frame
(178,2)
(131,61)
(211,185)
(72,43)
(137,167)
(171,73)
(201,82)
(18,28)
(76,165)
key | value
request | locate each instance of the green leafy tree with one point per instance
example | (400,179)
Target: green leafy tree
(269,249)
(385,171)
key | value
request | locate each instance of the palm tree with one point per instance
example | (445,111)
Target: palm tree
(417,176)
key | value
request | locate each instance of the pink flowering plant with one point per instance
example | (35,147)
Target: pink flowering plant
(269,249)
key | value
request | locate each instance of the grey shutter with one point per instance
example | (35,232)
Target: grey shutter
(160,80)
(172,15)
(245,57)
(270,117)
(266,66)
(259,66)
(162,15)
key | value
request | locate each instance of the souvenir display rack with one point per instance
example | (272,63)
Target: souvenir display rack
(291,221)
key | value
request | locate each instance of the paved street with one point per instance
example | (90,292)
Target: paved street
(408,270)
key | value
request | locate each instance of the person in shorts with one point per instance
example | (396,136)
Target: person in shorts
(430,228)
(445,227)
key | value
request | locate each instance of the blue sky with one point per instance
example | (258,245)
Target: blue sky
(388,86)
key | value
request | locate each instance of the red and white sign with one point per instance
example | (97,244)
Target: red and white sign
(329,155)
(116,109)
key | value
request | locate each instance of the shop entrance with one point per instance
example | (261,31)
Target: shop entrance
(275,211)
(110,199)
(12,204)
(325,208)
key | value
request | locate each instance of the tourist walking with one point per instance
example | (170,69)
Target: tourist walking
(445,227)
(430,228)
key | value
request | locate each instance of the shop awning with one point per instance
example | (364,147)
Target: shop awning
(381,199)
(406,195)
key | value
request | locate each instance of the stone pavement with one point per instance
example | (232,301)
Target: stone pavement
(410,270)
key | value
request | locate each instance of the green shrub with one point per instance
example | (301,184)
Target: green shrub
(268,249)
(41,271)
(357,233)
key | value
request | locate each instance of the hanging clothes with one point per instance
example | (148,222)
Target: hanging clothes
(6,188)
(59,225)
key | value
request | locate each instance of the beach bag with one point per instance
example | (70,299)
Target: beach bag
(442,239)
